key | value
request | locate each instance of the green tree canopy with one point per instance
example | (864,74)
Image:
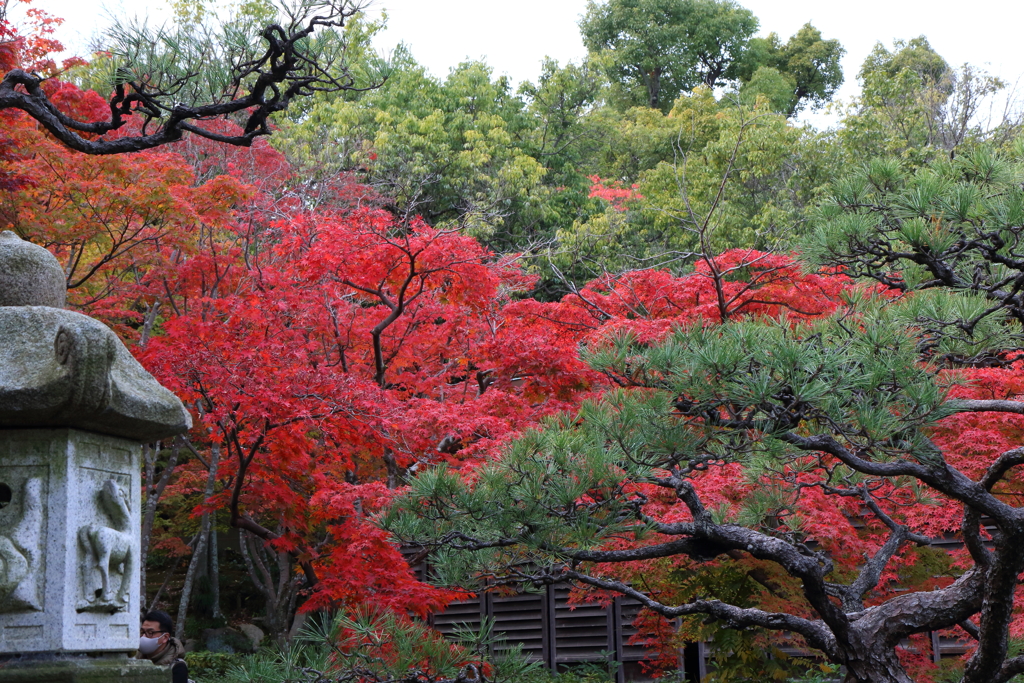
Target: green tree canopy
(656,49)
(808,63)
(915,106)
(708,176)
(915,56)
(448,150)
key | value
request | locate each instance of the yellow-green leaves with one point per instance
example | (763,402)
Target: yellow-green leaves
(446,150)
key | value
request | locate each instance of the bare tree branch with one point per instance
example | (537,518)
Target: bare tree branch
(255,90)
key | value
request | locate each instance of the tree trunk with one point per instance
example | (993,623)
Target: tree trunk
(870,660)
(877,671)
(214,571)
(190,578)
(395,477)
(199,553)
(280,592)
(153,490)
(654,88)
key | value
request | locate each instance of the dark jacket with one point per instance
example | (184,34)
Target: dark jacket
(171,655)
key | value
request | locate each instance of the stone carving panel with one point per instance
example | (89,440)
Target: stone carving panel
(22,524)
(107,547)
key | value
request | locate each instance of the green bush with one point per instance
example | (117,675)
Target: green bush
(385,649)
(582,673)
(205,666)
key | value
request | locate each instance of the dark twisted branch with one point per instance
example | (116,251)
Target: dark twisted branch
(940,476)
(281,74)
(816,633)
(985,406)
(871,572)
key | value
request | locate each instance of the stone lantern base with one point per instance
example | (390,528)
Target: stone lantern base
(83,669)
(69,545)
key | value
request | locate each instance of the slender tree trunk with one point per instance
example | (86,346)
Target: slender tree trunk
(147,327)
(214,570)
(654,88)
(199,553)
(154,489)
(190,578)
(395,477)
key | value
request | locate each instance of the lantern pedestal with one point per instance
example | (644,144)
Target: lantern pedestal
(83,670)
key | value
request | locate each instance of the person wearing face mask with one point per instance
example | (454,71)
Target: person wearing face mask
(158,645)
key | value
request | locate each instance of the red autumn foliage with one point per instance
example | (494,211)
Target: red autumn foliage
(347,350)
(613,192)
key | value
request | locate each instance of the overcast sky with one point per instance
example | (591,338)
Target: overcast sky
(513,36)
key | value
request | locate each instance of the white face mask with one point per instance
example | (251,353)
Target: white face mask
(148,646)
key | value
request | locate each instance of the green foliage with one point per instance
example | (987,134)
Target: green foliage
(915,106)
(914,56)
(750,657)
(773,85)
(711,175)
(951,224)
(735,655)
(204,666)
(385,648)
(928,562)
(656,49)
(808,65)
(728,177)
(558,104)
(446,150)
(512,169)
(636,140)
(580,673)
(567,133)
(824,674)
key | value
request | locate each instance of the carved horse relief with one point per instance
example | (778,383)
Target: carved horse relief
(20,549)
(108,554)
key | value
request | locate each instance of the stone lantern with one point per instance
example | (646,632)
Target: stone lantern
(75,407)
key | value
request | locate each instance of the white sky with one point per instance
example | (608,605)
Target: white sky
(513,36)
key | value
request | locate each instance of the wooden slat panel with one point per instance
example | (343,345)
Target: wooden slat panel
(420,569)
(629,609)
(582,632)
(951,647)
(462,613)
(520,619)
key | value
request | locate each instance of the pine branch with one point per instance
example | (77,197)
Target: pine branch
(254,89)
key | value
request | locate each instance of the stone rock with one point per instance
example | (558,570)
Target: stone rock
(29,274)
(63,369)
(226,640)
(254,633)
